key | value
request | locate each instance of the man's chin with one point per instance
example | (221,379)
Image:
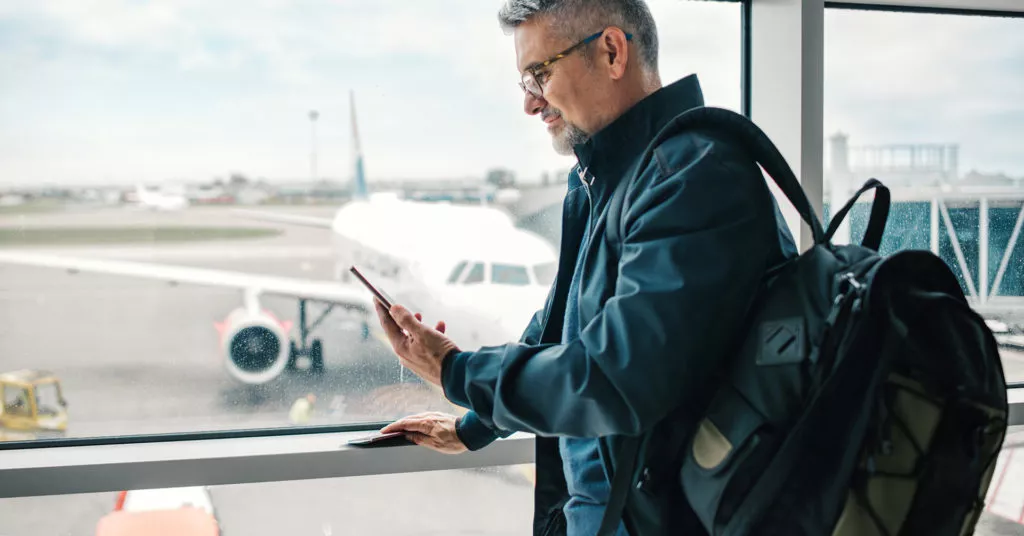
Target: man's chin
(563,142)
(565,137)
(562,145)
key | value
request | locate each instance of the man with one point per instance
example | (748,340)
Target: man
(629,344)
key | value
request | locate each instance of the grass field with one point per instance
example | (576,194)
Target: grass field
(34,207)
(64,236)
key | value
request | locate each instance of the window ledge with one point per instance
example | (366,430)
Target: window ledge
(91,469)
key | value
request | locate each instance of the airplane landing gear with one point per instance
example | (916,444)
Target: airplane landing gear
(306,346)
(314,354)
(306,353)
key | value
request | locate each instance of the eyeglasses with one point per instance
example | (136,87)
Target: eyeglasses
(532,85)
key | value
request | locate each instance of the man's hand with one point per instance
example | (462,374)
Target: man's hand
(419,347)
(433,430)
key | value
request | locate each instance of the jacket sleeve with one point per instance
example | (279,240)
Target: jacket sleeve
(695,246)
(475,433)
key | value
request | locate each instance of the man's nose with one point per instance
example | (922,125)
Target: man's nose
(533,104)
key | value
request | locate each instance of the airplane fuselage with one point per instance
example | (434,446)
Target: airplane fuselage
(468,266)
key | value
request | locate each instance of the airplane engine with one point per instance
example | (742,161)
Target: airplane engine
(255,346)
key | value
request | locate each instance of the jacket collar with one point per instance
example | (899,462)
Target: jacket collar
(610,152)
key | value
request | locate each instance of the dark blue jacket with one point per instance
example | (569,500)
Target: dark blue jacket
(700,229)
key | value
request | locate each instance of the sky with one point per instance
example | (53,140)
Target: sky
(126,91)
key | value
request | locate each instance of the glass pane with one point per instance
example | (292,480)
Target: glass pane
(937,120)
(475,275)
(48,399)
(1004,504)
(494,501)
(16,402)
(176,176)
(456,272)
(504,274)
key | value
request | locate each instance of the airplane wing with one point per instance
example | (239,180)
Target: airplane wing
(326,291)
(1011,341)
(290,219)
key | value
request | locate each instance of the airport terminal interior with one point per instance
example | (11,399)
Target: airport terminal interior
(185,185)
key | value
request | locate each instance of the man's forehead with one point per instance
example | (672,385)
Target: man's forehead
(535,42)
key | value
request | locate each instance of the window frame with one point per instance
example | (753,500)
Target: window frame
(783,77)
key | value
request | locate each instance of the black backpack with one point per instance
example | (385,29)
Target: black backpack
(865,396)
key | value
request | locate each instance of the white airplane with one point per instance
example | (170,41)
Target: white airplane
(467,265)
(159,200)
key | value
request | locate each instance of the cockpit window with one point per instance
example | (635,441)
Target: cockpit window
(456,272)
(475,275)
(506,274)
(545,273)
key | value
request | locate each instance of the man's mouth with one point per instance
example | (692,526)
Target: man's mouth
(551,118)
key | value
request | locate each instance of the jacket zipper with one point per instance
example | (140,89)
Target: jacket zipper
(590,203)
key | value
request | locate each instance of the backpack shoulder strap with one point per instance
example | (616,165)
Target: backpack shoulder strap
(740,133)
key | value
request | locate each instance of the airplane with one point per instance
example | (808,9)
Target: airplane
(159,200)
(467,265)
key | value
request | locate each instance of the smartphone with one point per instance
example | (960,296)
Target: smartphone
(393,438)
(380,294)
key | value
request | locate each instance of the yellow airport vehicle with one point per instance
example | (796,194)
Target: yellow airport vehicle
(33,406)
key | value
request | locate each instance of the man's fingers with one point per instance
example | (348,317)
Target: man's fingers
(440,326)
(419,317)
(405,319)
(397,426)
(408,424)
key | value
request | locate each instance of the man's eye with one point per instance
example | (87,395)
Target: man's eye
(541,76)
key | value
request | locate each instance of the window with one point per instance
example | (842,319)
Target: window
(190,166)
(923,102)
(504,274)
(456,272)
(48,399)
(16,401)
(475,274)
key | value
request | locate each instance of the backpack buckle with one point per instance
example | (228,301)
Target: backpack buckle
(850,279)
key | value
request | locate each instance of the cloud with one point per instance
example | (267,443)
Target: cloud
(922,78)
(99,90)
(122,90)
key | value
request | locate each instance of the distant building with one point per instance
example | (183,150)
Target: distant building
(973,222)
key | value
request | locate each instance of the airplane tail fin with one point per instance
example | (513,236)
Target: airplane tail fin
(359,189)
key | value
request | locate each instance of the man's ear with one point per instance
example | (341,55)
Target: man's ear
(614,52)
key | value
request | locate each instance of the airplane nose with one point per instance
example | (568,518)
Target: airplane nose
(520,311)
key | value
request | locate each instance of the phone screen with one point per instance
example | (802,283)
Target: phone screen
(384,298)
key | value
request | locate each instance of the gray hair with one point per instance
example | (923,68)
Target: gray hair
(575,19)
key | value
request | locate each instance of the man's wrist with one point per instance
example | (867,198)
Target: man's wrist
(473,433)
(453,372)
